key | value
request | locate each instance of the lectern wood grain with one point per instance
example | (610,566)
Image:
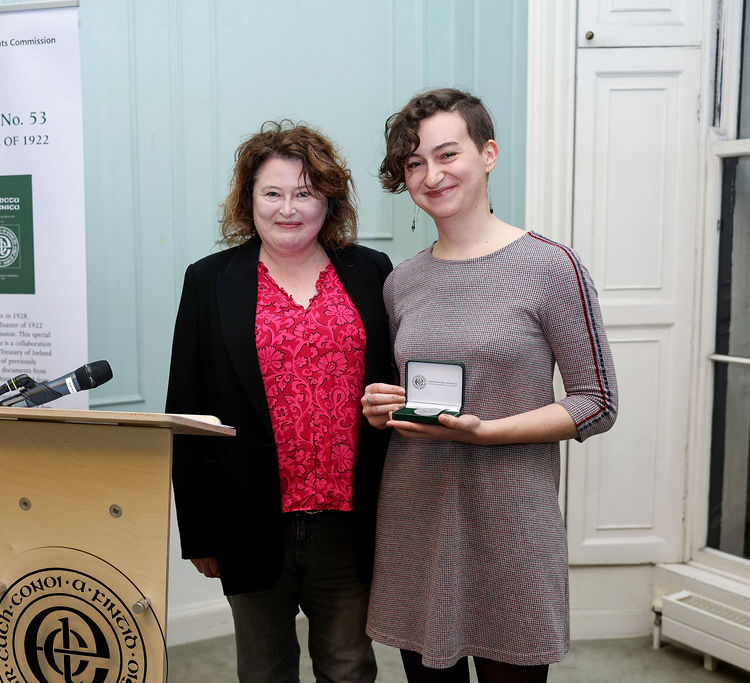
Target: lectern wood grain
(84,525)
(72,474)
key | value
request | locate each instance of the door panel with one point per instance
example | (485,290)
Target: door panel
(634,226)
(631,23)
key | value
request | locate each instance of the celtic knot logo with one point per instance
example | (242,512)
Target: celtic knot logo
(9,247)
(64,626)
(419,381)
(66,651)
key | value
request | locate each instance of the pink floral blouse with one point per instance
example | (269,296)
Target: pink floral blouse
(313,365)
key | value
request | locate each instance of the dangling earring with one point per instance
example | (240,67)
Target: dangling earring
(414,218)
(489,194)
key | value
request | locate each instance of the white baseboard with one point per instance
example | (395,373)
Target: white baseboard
(602,600)
(610,601)
(199,621)
(591,624)
(213,619)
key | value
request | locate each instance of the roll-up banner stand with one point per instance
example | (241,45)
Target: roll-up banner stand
(43,322)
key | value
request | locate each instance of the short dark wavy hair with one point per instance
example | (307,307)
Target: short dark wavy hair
(401,137)
(322,166)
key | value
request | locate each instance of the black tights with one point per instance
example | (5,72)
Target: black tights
(488,671)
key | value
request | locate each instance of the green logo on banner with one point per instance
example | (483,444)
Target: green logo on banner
(9,247)
(16,235)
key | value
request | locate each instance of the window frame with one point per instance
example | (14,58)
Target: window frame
(720,143)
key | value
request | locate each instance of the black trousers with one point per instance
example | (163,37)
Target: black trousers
(488,671)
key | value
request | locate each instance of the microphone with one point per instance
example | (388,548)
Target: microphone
(86,377)
(16,384)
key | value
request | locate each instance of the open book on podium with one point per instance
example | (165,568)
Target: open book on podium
(84,541)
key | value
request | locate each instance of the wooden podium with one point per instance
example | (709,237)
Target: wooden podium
(84,543)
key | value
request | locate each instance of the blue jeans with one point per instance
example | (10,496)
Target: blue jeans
(319,576)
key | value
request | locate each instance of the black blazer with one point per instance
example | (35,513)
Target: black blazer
(227,489)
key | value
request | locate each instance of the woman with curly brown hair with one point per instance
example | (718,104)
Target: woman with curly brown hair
(484,532)
(277,336)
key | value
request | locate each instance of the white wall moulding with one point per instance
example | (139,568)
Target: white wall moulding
(550,107)
(639,23)
(550,110)
(41,4)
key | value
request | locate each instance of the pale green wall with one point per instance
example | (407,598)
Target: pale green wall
(169,89)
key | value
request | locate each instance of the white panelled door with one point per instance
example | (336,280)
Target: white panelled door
(634,225)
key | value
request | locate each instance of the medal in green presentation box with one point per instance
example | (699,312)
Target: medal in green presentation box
(16,235)
(432,388)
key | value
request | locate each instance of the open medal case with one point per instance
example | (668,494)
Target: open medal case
(432,388)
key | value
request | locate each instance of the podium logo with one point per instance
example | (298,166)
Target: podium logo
(9,247)
(66,651)
(63,626)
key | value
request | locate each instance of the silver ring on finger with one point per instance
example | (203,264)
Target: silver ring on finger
(369,400)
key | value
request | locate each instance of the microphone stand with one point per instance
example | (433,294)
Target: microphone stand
(43,395)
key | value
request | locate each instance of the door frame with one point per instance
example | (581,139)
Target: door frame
(550,119)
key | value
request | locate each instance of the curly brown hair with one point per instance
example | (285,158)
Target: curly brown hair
(401,137)
(322,167)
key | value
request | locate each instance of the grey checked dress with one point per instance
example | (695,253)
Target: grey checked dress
(471,555)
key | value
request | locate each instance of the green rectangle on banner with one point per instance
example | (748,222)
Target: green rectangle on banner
(16,235)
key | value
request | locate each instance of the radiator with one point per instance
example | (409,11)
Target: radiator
(713,628)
